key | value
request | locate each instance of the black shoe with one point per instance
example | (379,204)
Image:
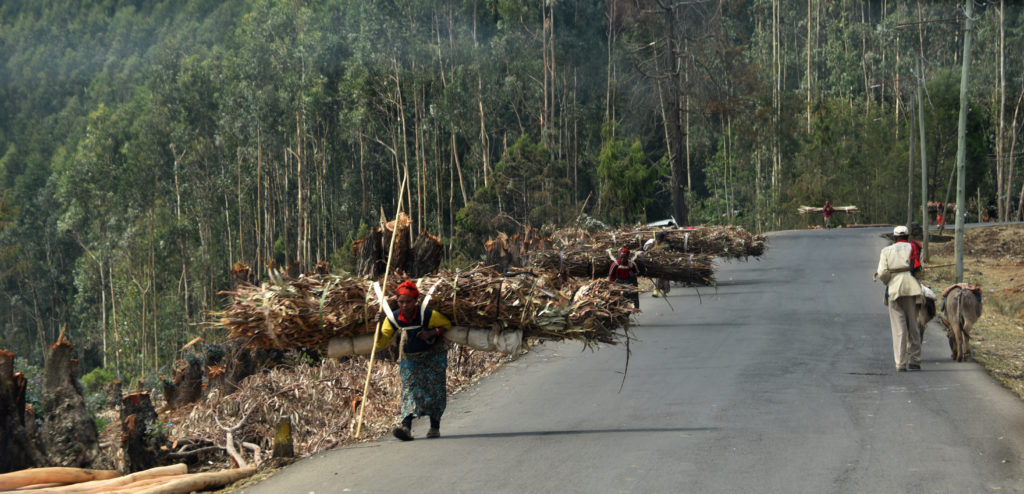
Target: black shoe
(901,369)
(402,433)
(914,366)
(433,432)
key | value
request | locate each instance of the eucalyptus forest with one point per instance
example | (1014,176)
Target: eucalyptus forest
(146,146)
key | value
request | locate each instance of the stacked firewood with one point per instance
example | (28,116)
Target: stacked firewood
(309,311)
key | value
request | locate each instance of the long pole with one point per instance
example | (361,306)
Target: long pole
(961,151)
(384,291)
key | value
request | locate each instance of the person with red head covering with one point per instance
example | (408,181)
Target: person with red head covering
(424,363)
(828,210)
(624,270)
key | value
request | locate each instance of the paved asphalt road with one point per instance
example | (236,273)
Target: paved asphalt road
(779,381)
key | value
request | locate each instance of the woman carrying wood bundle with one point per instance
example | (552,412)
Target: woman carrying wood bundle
(424,360)
(624,270)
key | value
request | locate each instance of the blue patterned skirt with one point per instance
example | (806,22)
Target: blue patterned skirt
(424,383)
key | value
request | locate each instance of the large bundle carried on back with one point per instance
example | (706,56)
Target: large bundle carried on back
(665,264)
(314,310)
(838,209)
(717,241)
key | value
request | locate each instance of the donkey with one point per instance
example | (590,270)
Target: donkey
(962,308)
(925,312)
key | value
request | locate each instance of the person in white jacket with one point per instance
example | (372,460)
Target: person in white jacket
(902,296)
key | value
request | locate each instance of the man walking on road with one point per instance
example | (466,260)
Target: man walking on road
(903,294)
(828,210)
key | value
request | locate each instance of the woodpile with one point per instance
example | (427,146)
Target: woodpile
(311,310)
(418,258)
(173,479)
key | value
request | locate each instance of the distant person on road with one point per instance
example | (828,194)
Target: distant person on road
(939,215)
(423,362)
(624,270)
(903,294)
(661,285)
(828,210)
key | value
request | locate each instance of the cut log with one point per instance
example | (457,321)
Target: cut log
(19,445)
(53,475)
(120,481)
(196,482)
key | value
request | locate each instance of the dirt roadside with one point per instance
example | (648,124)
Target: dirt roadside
(993,258)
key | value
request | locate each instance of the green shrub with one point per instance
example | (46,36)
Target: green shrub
(97,378)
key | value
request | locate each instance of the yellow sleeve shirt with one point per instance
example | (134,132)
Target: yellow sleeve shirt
(387,331)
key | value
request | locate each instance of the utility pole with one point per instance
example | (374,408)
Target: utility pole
(924,161)
(961,151)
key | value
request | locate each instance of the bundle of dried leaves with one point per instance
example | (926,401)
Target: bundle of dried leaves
(309,311)
(322,403)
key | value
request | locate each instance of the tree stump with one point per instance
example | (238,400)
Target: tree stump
(369,257)
(70,433)
(241,365)
(141,437)
(283,446)
(188,381)
(20,447)
(113,393)
(425,257)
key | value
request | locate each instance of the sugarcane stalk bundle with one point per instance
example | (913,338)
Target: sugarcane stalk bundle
(663,263)
(725,241)
(310,311)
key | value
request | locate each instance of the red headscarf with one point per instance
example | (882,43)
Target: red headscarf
(408,288)
(624,251)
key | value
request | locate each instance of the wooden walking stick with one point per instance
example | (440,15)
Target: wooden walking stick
(384,291)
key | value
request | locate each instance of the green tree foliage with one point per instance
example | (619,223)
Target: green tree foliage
(629,180)
(147,146)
